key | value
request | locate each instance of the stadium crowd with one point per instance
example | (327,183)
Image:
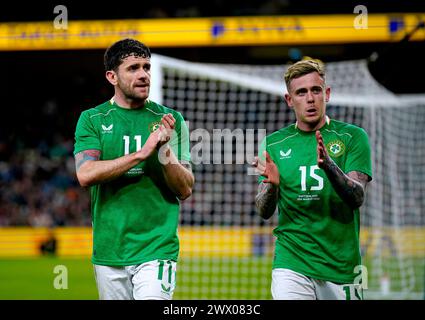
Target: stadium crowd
(38,186)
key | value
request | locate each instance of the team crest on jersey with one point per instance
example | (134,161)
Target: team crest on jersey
(154,125)
(336,148)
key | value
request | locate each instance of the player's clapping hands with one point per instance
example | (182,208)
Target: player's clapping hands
(323,159)
(159,137)
(267,168)
(166,128)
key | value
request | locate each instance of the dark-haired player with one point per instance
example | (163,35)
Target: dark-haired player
(134,155)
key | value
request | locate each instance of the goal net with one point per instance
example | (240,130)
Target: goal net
(226,248)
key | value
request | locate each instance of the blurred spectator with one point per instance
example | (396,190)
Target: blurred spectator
(49,245)
(39,189)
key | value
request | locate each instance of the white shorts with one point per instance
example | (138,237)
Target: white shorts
(291,285)
(153,280)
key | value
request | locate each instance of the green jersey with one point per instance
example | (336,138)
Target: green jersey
(317,234)
(135,216)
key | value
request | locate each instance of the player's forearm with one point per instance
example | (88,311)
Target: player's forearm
(177,177)
(99,171)
(351,191)
(266,199)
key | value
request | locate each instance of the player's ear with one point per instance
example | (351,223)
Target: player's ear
(288,100)
(327,94)
(111,76)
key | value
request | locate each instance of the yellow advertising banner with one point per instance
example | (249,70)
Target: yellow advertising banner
(223,31)
(208,242)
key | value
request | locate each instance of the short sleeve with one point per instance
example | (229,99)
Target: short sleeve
(180,142)
(86,136)
(359,154)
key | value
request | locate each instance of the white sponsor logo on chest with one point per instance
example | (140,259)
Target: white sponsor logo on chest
(107,129)
(285,155)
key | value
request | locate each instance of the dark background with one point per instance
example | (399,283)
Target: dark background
(88,10)
(393,62)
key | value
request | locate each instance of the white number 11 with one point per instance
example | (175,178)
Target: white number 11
(138,139)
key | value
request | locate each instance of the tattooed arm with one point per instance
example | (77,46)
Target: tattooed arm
(268,190)
(351,187)
(90,170)
(266,199)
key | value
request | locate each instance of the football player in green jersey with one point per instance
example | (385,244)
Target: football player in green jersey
(134,155)
(315,172)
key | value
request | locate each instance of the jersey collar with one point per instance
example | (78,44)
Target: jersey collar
(112,102)
(328,121)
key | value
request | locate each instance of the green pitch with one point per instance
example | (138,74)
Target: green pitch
(209,278)
(206,278)
(34,279)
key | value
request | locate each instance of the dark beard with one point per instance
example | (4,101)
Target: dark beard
(129,95)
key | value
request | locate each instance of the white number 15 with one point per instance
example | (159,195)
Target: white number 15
(313,175)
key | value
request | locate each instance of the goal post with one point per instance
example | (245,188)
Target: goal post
(226,248)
